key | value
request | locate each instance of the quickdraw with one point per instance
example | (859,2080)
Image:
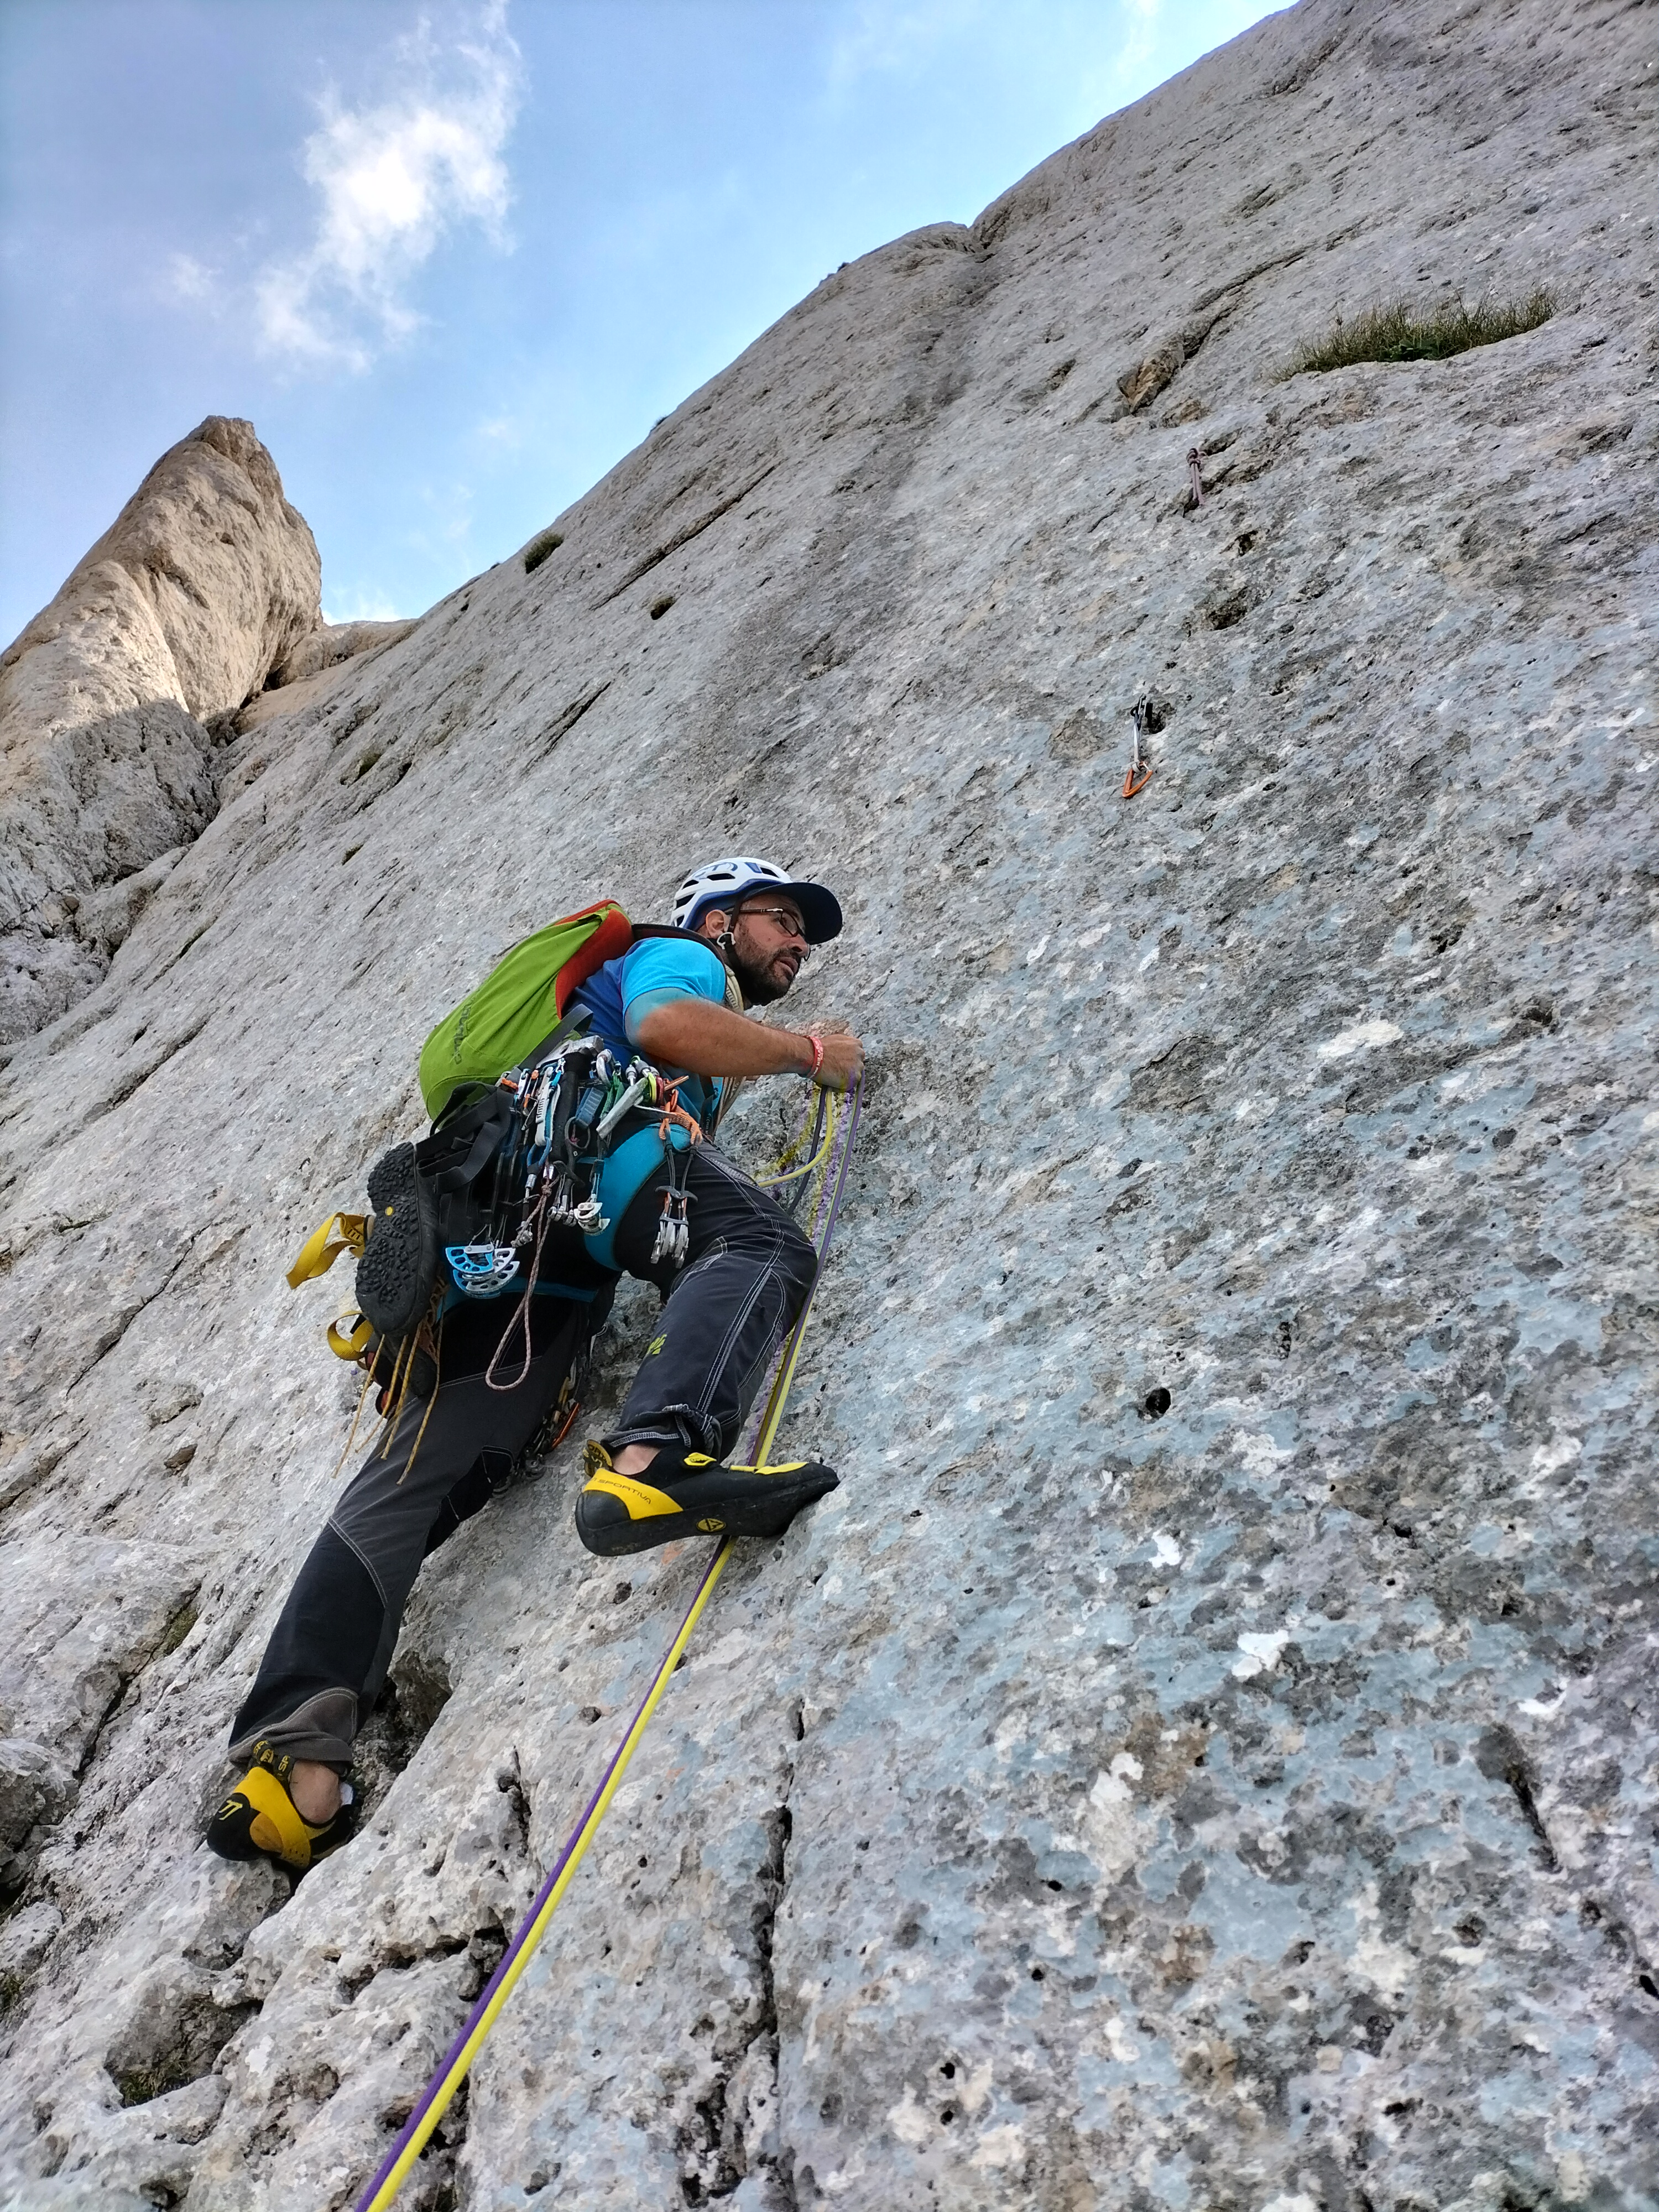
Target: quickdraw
(1141,768)
(836,1151)
(679,1133)
(562,1114)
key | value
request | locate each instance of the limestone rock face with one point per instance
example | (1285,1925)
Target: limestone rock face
(329,643)
(206,581)
(1204,1754)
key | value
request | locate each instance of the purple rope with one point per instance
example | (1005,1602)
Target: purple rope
(834,1185)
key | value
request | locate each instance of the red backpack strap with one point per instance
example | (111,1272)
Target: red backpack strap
(609,942)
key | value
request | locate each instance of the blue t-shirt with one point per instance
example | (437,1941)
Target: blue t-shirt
(658,970)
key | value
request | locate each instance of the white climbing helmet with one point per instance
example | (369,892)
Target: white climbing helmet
(726,882)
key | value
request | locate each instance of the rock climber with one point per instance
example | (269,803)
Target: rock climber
(743,929)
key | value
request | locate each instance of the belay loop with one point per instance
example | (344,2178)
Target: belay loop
(836,1153)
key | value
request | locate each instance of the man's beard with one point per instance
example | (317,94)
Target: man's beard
(760,987)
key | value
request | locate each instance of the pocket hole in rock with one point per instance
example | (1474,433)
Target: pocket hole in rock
(168,2049)
(416,1692)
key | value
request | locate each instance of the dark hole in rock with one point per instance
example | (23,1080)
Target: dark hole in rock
(484,1955)
(949,2070)
(1037,1973)
(1499,1757)
(660,607)
(590,1714)
(538,549)
(1225,612)
(1156,1403)
(416,1692)
(171,2047)
(177,1628)
(1246,539)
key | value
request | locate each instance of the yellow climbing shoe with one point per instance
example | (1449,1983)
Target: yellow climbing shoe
(687,1494)
(260,1820)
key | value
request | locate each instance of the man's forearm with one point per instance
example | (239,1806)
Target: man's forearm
(710,1039)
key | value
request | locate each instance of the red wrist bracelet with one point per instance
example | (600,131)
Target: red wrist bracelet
(817,1044)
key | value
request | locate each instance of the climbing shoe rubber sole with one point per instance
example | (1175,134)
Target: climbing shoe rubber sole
(689,1494)
(259,1820)
(400,1259)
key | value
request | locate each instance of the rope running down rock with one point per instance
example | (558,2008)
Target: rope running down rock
(835,1152)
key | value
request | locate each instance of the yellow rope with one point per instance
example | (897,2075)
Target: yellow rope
(779,1395)
(784,1172)
(469,2051)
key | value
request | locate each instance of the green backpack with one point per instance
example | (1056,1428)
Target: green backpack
(520,1002)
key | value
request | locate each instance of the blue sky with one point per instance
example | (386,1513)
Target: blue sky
(454,260)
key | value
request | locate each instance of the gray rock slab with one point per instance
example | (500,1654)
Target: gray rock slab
(206,581)
(1202,1755)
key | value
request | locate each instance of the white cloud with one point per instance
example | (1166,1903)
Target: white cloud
(881,38)
(361,605)
(393,178)
(187,278)
(1142,16)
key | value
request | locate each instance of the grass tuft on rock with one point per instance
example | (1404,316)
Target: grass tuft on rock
(1396,332)
(538,549)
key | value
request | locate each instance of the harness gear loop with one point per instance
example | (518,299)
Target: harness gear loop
(434,2100)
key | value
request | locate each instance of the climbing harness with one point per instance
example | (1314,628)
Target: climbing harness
(1141,768)
(466,1214)
(839,1120)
